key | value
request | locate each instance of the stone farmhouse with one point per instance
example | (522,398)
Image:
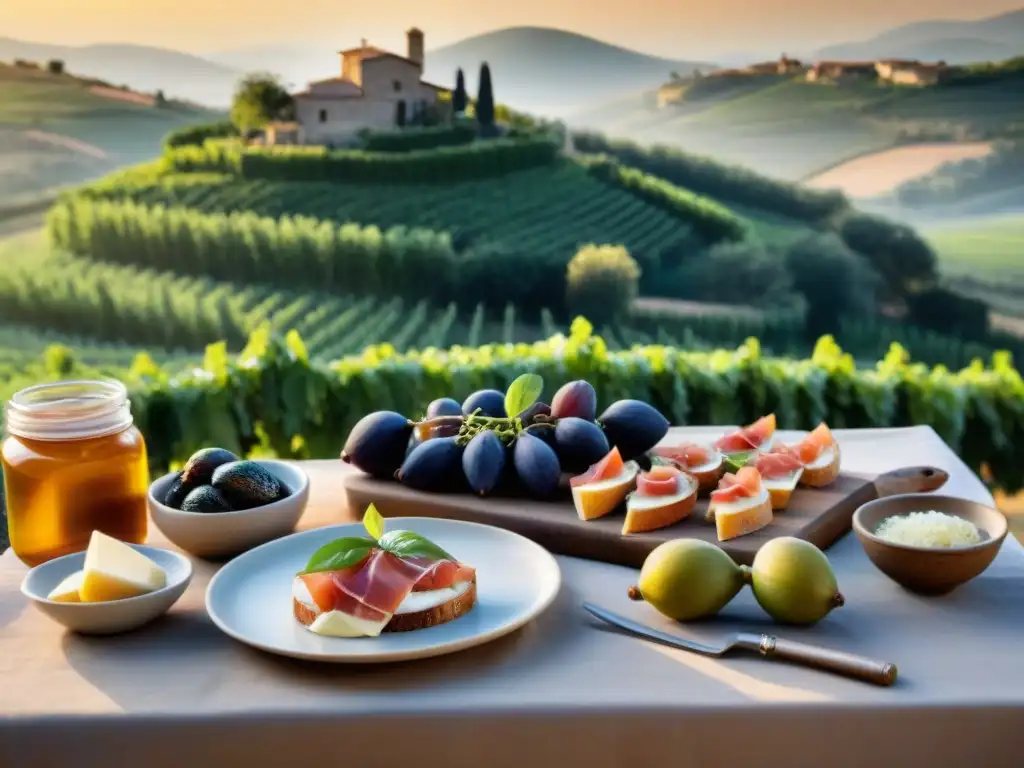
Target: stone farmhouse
(375,90)
(841,70)
(910,71)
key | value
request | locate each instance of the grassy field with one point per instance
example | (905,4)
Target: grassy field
(56,129)
(980,246)
(794,129)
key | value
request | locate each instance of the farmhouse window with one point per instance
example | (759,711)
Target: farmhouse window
(398,85)
(323,115)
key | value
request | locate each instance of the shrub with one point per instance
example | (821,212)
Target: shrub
(196,135)
(949,313)
(834,281)
(419,138)
(730,273)
(602,282)
(55,67)
(897,252)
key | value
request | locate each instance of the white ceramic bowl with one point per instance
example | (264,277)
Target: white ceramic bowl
(222,534)
(113,616)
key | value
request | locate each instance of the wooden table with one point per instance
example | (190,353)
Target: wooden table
(561,691)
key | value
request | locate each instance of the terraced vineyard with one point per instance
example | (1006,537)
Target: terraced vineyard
(541,210)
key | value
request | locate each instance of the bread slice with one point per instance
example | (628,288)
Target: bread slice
(458,606)
(642,520)
(819,477)
(740,522)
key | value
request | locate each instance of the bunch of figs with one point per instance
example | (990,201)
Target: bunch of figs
(477,446)
(688,579)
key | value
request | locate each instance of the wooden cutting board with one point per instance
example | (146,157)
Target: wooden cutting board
(817,515)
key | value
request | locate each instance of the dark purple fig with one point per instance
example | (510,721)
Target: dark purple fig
(536,465)
(577,398)
(483,462)
(544,431)
(579,444)
(444,406)
(491,403)
(377,443)
(177,492)
(633,427)
(205,498)
(530,415)
(433,465)
(199,468)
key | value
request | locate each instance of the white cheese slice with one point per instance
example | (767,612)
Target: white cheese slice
(68,590)
(340,624)
(115,571)
(642,501)
(740,504)
(785,483)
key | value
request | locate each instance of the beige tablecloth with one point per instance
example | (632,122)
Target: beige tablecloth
(561,691)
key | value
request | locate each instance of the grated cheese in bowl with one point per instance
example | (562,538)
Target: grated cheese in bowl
(928,529)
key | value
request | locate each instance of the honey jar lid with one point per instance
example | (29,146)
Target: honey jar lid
(69,410)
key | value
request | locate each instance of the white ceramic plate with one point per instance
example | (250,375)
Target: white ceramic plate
(250,598)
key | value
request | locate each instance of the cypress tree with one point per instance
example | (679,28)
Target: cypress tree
(459,96)
(485,98)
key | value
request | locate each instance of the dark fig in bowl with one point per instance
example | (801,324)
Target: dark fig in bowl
(633,427)
(443,406)
(579,444)
(246,484)
(483,462)
(536,465)
(577,398)
(177,492)
(433,465)
(200,467)
(491,403)
(205,498)
(377,443)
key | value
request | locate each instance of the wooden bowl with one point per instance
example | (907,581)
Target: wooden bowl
(930,570)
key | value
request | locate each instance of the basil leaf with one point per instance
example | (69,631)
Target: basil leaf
(737,461)
(373,522)
(410,544)
(339,554)
(522,393)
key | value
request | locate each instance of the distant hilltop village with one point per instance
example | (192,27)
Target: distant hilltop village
(909,72)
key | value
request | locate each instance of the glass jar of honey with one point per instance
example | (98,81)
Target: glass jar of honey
(73,462)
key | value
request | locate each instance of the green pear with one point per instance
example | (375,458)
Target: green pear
(688,579)
(794,582)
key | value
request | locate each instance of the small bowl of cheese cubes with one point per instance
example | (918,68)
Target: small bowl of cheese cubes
(111,587)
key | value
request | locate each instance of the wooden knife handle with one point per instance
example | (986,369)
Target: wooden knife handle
(910,480)
(839,662)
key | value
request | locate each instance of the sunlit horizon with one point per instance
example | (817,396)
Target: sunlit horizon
(658,27)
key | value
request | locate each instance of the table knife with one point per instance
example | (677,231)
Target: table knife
(768,646)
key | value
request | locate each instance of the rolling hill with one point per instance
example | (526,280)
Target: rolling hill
(141,67)
(61,129)
(953,41)
(793,129)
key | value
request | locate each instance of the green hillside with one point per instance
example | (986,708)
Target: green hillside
(791,128)
(57,129)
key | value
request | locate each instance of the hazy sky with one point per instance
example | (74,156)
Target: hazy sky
(672,28)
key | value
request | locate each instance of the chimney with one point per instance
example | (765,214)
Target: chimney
(414,48)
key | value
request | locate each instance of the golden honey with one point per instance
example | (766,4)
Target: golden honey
(73,462)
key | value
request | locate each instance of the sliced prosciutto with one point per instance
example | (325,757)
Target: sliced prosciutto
(815,444)
(376,588)
(745,484)
(609,467)
(748,438)
(662,480)
(781,461)
(689,455)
